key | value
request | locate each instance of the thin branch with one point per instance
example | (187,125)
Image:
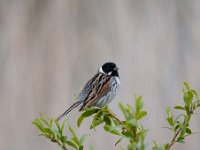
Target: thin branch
(60,144)
(173,141)
(115,117)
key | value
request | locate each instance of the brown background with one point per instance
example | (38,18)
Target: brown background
(49,49)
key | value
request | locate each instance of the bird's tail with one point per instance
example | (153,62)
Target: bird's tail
(69,109)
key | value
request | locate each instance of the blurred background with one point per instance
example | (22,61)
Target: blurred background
(49,49)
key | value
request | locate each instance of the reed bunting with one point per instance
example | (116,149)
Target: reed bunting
(99,90)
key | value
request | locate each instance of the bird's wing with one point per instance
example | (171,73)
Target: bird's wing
(87,88)
(100,86)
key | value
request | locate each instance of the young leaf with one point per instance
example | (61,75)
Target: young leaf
(141,114)
(123,109)
(49,131)
(80,120)
(186,85)
(108,120)
(63,125)
(63,139)
(168,112)
(179,107)
(180,139)
(88,112)
(42,119)
(98,119)
(95,123)
(188,131)
(72,144)
(194,92)
(170,121)
(51,122)
(91,147)
(58,126)
(190,94)
(75,139)
(39,125)
(112,129)
(80,147)
(132,122)
(187,110)
(83,138)
(177,127)
(138,104)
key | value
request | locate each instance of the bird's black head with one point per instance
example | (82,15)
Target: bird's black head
(109,68)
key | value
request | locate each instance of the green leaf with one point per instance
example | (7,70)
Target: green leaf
(127,134)
(166,146)
(108,120)
(132,146)
(62,127)
(80,147)
(95,123)
(188,131)
(194,92)
(72,144)
(63,139)
(177,127)
(97,120)
(82,139)
(41,115)
(38,125)
(88,112)
(187,110)
(74,138)
(198,105)
(155,144)
(49,131)
(112,129)
(42,119)
(132,122)
(179,107)
(186,99)
(121,148)
(180,139)
(190,94)
(186,85)
(138,104)
(80,120)
(58,126)
(51,122)
(91,147)
(123,109)
(141,114)
(170,121)
(168,112)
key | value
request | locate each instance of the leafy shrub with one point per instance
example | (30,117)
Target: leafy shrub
(130,129)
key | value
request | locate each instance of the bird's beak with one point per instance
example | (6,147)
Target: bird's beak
(116,68)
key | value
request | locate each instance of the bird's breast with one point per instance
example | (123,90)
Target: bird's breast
(114,84)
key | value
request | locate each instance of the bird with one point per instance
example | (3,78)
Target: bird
(99,91)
